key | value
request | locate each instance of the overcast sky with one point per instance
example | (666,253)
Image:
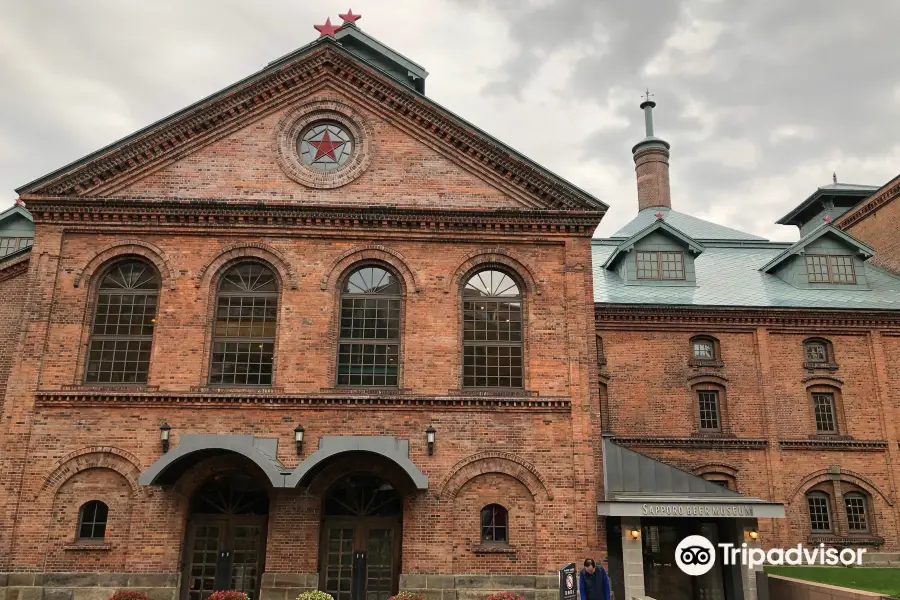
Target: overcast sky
(760,100)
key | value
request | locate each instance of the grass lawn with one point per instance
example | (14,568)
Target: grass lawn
(883,581)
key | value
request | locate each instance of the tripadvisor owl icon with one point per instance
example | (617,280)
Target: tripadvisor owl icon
(695,555)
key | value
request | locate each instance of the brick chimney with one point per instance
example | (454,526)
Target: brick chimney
(651,164)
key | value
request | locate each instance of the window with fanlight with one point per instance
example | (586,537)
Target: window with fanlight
(243,346)
(123,325)
(369,345)
(493,336)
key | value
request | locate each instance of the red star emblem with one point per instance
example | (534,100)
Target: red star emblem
(326,147)
(659,216)
(828,219)
(327,30)
(349,17)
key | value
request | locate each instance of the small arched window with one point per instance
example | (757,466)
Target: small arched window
(124,320)
(243,348)
(494,524)
(492,331)
(704,349)
(818,353)
(369,346)
(857,506)
(92,521)
(819,505)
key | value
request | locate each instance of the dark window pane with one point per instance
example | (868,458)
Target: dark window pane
(816,352)
(704,350)
(92,521)
(823,405)
(709,411)
(819,512)
(494,524)
(857,519)
(648,265)
(492,331)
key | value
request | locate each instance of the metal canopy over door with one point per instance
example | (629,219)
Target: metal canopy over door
(226,542)
(361,537)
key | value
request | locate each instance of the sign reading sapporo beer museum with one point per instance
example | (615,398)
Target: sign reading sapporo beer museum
(568,583)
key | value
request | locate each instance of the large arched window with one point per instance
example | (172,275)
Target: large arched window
(243,347)
(122,333)
(494,524)
(492,331)
(369,346)
(92,521)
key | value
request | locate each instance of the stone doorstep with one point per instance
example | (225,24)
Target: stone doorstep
(824,586)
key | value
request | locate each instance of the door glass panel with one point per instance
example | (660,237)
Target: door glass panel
(245,568)
(380,565)
(204,556)
(710,586)
(339,563)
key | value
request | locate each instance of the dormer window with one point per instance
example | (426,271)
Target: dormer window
(821,268)
(660,265)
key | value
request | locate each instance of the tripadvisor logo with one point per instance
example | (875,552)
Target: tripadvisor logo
(695,555)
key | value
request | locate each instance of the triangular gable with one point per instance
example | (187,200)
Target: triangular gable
(16,211)
(823,230)
(658,226)
(278,84)
(626,472)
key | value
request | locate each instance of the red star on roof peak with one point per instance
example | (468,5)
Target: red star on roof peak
(828,219)
(327,30)
(659,216)
(20,202)
(349,17)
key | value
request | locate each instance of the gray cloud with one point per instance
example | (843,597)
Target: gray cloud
(760,100)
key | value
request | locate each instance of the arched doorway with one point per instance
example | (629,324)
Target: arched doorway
(226,537)
(361,535)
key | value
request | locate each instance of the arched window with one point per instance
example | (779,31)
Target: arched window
(704,348)
(369,346)
(494,524)
(124,319)
(818,353)
(825,412)
(92,521)
(492,331)
(243,347)
(819,505)
(857,512)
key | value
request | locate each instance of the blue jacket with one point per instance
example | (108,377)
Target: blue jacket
(601,582)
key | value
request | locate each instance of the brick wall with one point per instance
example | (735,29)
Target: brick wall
(769,444)
(13,291)
(878,229)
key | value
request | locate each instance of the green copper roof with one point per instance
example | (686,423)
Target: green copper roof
(851,194)
(823,229)
(695,228)
(730,276)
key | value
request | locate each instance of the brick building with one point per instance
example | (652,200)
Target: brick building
(873,220)
(764,368)
(314,331)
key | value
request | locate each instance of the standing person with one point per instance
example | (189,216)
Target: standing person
(593,582)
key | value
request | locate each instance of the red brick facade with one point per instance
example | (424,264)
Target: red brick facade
(768,447)
(427,209)
(874,222)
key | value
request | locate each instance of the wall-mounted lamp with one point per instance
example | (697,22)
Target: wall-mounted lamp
(753,535)
(298,437)
(430,435)
(164,430)
(635,534)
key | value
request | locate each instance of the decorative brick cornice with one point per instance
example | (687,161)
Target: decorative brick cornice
(125,398)
(625,316)
(839,445)
(280,83)
(216,215)
(693,442)
(876,201)
(13,267)
(844,540)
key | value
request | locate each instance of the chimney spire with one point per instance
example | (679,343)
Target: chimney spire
(651,163)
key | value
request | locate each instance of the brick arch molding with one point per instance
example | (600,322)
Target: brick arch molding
(849,476)
(96,457)
(496,462)
(498,256)
(122,249)
(373,252)
(716,468)
(201,472)
(257,250)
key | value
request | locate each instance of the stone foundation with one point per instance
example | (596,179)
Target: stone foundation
(479,587)
(86,586)
(286,586)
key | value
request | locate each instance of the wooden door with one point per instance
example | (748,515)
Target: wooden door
(360,558)
(224,553)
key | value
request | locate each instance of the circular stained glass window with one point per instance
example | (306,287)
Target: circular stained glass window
(325,146)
